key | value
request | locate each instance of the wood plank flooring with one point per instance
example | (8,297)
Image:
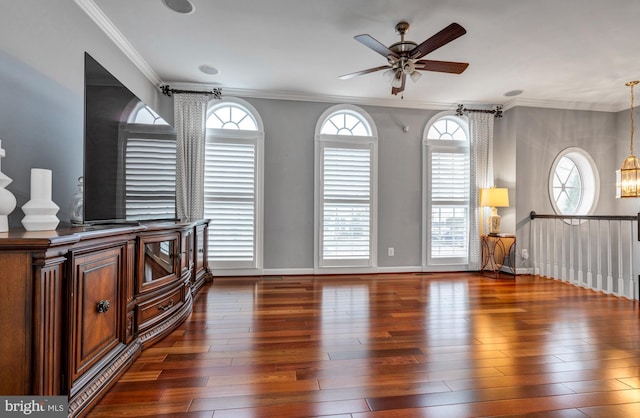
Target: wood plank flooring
(390,345)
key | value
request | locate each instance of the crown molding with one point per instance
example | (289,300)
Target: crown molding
(104,23)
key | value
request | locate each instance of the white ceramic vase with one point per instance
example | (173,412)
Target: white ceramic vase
(40,211)
(7,199)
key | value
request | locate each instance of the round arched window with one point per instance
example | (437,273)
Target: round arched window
(574,183)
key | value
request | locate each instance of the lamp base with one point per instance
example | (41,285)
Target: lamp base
(494,224)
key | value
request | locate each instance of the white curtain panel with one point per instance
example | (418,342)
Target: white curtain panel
(189,119)
(481,131)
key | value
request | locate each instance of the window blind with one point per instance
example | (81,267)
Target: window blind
(346,204)
(150,178)
(229,192)
(449,204)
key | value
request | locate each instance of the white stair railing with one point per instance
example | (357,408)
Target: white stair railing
(567,248)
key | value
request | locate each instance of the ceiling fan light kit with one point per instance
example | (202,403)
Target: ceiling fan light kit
(404,57)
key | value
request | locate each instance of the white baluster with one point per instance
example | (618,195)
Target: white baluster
(549,249)
(563,259)
(572,274)
(589,257)
(556,274)
(599,259)
(632,283)
(580,270)
(620,271)
(543,249)
(609,260)
(534,256)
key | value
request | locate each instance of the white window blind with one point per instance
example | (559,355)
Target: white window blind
(449,204)
(230,201)
(449,177)
(346,203)
(150,178)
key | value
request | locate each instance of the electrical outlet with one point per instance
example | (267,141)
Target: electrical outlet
(391,251)
(525,254)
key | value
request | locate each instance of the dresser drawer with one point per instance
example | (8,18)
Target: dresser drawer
(157,308)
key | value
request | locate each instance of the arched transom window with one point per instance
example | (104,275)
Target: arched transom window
(231,116)
(346,122)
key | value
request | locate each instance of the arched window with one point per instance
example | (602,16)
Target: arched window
(150,164)
(447,190)
(233,184)
(574,184)
(346,174)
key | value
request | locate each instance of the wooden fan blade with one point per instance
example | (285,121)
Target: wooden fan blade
(396,90)
(370,42)
(442,66)
(367,71)
(446,35)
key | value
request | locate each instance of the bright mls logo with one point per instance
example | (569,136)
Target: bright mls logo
(33,406)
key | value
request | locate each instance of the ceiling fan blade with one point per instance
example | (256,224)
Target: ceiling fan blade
(441,66)
(363,72)
(370,42)
(396,90)
(441,38)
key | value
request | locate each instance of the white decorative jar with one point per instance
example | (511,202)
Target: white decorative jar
(7,199)
(40,211)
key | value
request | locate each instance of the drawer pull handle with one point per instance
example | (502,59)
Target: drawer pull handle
(201,250)
(169,306)
(103,306)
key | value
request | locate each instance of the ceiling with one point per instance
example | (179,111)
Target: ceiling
(575,54)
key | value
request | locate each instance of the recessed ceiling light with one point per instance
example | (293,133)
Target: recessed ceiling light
(209,69)
(179,6)
(513,93)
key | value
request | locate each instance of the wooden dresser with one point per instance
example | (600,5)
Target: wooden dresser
(78,305)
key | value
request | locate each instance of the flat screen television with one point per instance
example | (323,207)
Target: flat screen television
(129,154)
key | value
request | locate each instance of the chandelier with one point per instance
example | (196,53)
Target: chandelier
(628,177)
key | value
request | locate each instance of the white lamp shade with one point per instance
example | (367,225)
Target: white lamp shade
(495,197)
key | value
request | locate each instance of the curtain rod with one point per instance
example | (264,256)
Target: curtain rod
(216,93)
(497,112)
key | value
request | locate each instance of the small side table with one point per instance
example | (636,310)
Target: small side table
(499,253)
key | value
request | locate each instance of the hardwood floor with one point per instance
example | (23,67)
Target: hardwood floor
(392,345)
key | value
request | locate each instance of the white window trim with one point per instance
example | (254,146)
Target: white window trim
(428,147)
(322,140)
(256,137)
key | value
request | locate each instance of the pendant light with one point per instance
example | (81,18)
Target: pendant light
(628,177)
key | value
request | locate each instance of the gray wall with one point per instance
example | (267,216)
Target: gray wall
(42,84)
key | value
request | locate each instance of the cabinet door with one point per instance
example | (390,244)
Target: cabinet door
(157,261)
(200,250)
(97,308)
(186,256)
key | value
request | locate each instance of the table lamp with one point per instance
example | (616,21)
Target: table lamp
(495,197)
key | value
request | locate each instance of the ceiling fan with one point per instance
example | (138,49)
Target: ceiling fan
(404,57)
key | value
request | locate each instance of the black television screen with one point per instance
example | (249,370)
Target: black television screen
(129,154)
